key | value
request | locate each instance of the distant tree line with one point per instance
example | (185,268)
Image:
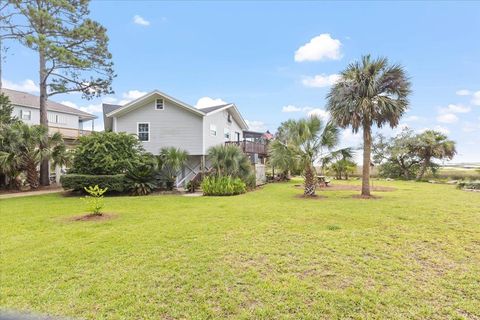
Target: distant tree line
(411,155)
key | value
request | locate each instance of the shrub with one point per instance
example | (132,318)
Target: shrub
(107,153)
(251,181)
(141,180)
(95,199)
(77,182)
(472,184)
(193,185)
(223,186)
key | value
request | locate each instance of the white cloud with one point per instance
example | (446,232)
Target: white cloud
(91,108)
(322,47)
(412,118)
(140,20)
(455,108)
(351,139)
(291,108)
(25,86)
(463,92)
(321,80)
(256,125)
(476,98)
(470,127)
(447,118)
(319,113)
(436,128)
(206,102)
(129,96)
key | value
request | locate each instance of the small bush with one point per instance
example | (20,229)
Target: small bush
(473,184)
(193,185)
(95,199)
(251,181)
(141,180)
(223,186)
(77,182)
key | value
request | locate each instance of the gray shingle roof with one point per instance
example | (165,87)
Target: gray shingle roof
(210,109)
(20,98)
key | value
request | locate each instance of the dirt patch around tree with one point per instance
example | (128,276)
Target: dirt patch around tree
(340,187)
(314,197)
(371,197)
(94,217)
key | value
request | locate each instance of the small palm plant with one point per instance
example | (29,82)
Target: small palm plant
(170,161)
(141,180)
(300,144)
(95,199)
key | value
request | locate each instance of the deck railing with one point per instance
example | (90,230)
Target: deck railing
(69,133)
(250,147)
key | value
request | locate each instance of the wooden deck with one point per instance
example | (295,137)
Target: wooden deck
(250,147)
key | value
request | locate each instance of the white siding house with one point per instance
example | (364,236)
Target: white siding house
(69,121)
(159,120)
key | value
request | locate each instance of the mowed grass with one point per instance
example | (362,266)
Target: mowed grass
(412,254)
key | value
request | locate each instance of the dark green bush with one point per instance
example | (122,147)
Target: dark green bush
(472,184)
(107,153)
(76,182)
(142,180)
(223,186)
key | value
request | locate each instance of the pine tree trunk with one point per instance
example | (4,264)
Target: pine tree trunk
(367,149)
(309,181)
(44,166)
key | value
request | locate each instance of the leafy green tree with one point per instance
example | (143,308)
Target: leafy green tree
(107,153)
(301,144)
(396,156)
(171,160)
(72,50)
(433,145)
(369,92)
(229,160)
(6,110)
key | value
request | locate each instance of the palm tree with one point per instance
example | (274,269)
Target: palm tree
(433,144)
(369,92)
(300,144)
(25,154)
(229,160)
(170,161)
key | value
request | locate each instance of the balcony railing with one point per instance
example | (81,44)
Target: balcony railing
(250,147)
(69,133)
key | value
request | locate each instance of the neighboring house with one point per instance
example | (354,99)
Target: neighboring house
(161,121)
(70,122)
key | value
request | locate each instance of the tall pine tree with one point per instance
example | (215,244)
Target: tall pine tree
(72,49)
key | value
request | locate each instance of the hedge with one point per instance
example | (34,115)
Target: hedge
(76,182)
(472,185)
(223,186)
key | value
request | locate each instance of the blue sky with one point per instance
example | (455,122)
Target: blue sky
(272,57)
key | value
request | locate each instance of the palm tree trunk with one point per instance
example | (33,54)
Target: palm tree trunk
(423,169)
(309,181)
(32,175)
(44,166)
(367,149)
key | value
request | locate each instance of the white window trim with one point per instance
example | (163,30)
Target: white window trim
(163,104)
(149,131)
(214,126)
(226,131)
(29,115)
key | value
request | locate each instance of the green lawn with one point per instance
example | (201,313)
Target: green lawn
(412,254)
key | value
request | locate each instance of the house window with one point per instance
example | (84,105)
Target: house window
(26,115)
(226,133)
(237,136)
(229,118)
(159,104)
(143,131)
(213,130)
